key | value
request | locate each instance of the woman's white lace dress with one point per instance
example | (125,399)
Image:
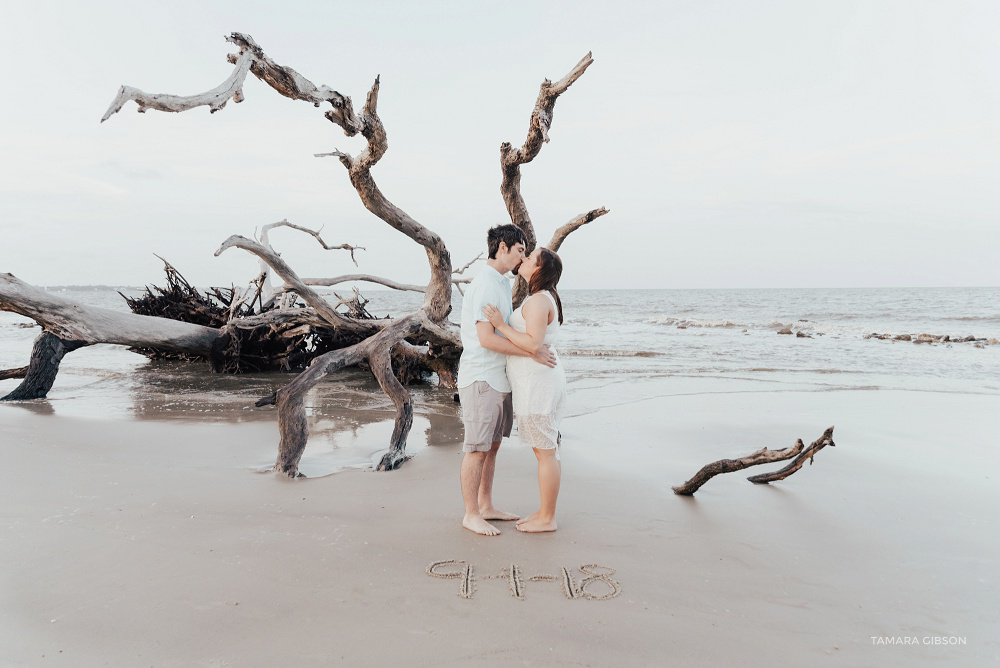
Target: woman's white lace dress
(539,392)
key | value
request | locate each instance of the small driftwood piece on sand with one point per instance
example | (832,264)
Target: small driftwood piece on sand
(817,445)
(762,456)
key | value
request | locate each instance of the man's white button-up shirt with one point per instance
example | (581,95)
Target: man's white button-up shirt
(478,363)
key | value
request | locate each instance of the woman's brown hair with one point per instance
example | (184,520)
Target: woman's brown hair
(546,277)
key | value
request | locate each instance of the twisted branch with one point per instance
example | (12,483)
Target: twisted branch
(560,235)
(437,300)
(250,58)
(315,234)
(290,400)
(7,374)
(511,160)
(215,99)
(368,278)
(538,133)
(323,308)
(468,264)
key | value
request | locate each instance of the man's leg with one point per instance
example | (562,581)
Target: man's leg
(473,464)
(486,508)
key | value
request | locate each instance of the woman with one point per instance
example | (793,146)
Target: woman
(539,392)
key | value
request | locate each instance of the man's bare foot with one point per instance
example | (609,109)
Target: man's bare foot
(537,526)
(479,525)
(528,518)
(498,515)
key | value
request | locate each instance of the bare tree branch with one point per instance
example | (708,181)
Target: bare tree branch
(511,160)
(327,282)
(251,58)
(281,316)
(323,308)
(437,300)
(215,99)
(314,234)
(439,334)
(7,374)
(468,264)
(560,235)
(380,361)
(538,133)
(368,278)
(292,423)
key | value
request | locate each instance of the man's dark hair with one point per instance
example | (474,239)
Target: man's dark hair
(508,234)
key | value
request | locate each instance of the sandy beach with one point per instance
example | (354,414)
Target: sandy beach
(771,217)
(156,542)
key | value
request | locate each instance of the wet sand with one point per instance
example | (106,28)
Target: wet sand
(154,542)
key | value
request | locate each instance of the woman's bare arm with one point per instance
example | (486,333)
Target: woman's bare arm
(536,312)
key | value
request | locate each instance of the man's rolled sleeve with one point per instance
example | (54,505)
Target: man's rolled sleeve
(481,299)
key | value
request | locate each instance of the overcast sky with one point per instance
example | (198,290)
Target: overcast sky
(756,144)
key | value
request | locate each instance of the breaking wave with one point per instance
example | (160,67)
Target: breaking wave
(696,322)
(578,352)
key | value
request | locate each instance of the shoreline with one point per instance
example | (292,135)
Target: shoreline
(130,541)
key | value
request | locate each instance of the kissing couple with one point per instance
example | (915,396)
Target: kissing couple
(509,368)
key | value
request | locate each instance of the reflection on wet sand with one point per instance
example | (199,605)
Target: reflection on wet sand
(350,419)
(38,406)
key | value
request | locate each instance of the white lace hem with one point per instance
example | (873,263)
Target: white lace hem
(540,431)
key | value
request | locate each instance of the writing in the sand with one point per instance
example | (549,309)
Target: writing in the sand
(595,583)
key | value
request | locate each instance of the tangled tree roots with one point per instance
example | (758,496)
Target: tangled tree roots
(289,341)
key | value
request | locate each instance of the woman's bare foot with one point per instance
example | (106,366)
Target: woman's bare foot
(528,518)
(480,526)
(498,515)
(537,526)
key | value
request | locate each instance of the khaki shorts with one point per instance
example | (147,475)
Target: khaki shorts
(487,415)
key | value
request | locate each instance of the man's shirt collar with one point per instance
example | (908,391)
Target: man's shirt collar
(494,274)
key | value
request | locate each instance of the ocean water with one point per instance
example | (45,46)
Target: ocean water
(616,345)
(613,342)
(707,333)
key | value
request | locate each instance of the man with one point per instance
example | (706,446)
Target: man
(483,389)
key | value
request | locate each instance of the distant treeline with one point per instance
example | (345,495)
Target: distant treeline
(91,288)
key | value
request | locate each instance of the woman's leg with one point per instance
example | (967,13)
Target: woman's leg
(549,474)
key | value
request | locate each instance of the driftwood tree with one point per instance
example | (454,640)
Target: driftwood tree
(424,337)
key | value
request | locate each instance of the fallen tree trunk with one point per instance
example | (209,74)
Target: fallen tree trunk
(67,326)
(817,445)
(709,471)
(88,325)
